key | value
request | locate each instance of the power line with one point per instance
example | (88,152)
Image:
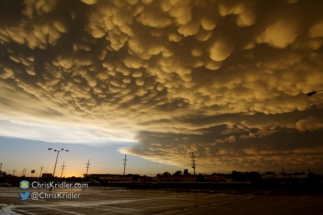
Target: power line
(63,169)
(193,162)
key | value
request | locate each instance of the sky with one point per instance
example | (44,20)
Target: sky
(159,80)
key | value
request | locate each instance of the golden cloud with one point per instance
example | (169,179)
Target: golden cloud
(168,68)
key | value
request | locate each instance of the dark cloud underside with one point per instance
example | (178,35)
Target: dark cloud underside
(224,79)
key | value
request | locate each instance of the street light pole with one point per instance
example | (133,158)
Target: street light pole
(58,151)
(55,163)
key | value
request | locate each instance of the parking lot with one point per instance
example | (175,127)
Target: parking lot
(101,200)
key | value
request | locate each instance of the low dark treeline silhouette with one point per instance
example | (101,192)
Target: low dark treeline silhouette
(253,177)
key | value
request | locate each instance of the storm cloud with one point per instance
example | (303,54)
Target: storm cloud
(226,80)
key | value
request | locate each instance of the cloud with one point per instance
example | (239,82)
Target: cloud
(309,124)
(228,139)
(253,154)
(220,50)
(231,72)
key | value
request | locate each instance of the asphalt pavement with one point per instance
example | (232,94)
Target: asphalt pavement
(118,201)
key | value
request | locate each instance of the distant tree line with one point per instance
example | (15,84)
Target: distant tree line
(253,177)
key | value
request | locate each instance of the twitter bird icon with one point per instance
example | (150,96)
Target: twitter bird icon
(24,196)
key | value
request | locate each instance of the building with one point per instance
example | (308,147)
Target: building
(105,178)
(47,175)
(177,178)
(215,178)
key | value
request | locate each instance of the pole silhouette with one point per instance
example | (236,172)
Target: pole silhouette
(87,167)
(41,169)
(55,163)
(193,162)
(124,166)
(63,169)
(23,172)
(58,151)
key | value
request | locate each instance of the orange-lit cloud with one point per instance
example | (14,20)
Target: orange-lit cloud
(231,76)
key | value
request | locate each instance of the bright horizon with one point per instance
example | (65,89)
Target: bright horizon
(75,163)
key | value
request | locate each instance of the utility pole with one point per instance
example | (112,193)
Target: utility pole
(8,172)
(0,166)
(87,166)
(193,161)
(13,172)
(41,169)
(63,169)
(124,165)
(23,172)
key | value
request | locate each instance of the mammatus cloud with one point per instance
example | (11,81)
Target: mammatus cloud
(309,124)
(225,79)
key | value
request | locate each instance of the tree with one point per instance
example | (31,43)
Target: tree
(166,174)
(178,172)
(255,177)
(239,176)
(200,177)
(186,172)
(270,173)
